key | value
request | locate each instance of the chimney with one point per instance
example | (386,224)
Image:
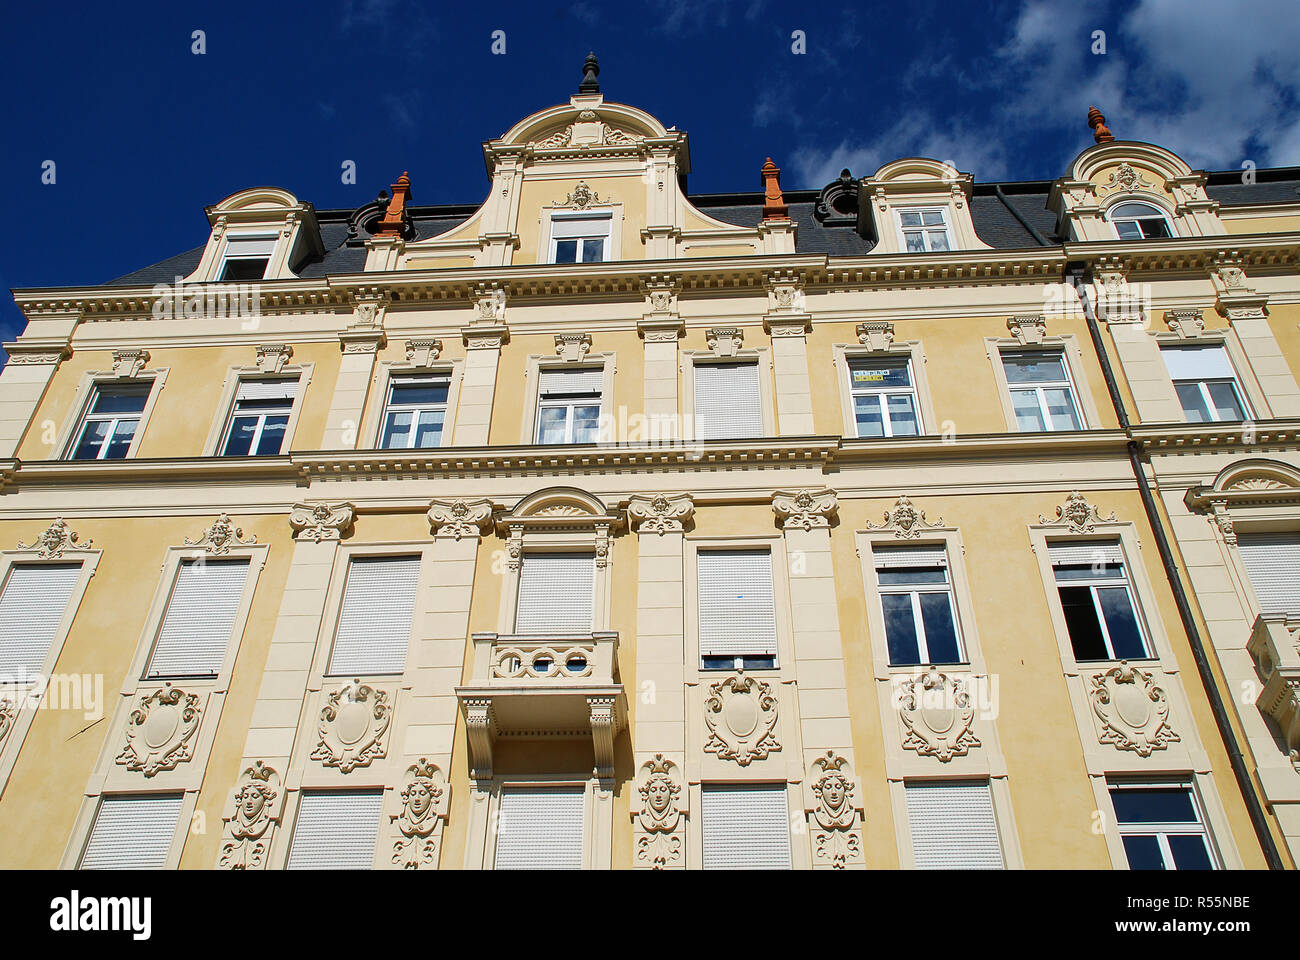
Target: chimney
(395,217)
(774,207)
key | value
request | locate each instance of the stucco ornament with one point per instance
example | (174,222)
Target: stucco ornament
(724,341)
(659,785)
(127,364)
(271,357)
(741,715)
(1133,710)
(905,520)
(572,347)
(459,518)
(936,710)
(1077,515)
(876,335)
(805,509)
(580,197)
(663,513)
(320,521)
(220,537)
(7,712)
(58,536)
(1126,177)
(352,727)
(423,807)
(159,730)
(254,806)
(834,811)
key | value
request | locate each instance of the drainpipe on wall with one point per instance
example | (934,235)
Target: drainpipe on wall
(1259,820)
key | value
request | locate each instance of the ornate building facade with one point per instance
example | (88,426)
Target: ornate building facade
(912,522)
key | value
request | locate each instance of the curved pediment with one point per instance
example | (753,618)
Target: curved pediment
(583,122)
(1255,475)
(1165,164)
(269,199)
(558,503)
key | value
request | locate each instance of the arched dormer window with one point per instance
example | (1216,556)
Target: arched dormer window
(1135,220)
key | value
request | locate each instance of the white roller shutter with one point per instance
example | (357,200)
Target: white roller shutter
(34,600)
(200,617)
(335,830)
(745,826)
(250,246)
(892,558)
(563,381)
(1107,551)
(727,401)
(1197,363)
(132,833)
(1272,561)
(374,629)
(569,227)
(541,828)
(737,609)
(555,593)
(267,389)
(953,826)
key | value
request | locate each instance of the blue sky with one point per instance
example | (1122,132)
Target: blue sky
(144,133)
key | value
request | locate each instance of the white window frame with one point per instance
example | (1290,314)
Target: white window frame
(1093,585)
(224,416)
(416,555)
(1072,357)
(536,363)
(882,394)
(1238,388)
(260,417)
(545,246)
(372,430)
(846,354)
(998,805)
(227,257)
(569,403)
(1160,213)
(902,231)
(605,218)
(87,388)
(380,820)
(787,819)
(1162,831)
(749,663)
(416,410)
(1039,389)
(760,356)
(519,579)
(74,854)
(915,591)
(598,809)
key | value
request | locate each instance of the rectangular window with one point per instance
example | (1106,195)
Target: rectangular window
(260,418)
(582,239)
(374,628)
(1097,601)
(737,611)
(415,413)
(1162,827)
(132,833)
(34,600)
(1042,395)
(109,424)
(245,258)
(920,615)
(924,230)
(745,826)
(884,398)
(336,830)
(1205,382)
(555,593)
(953,826)
(728,403)
(1272,562)
(200,617)
(541,828)
(568,404)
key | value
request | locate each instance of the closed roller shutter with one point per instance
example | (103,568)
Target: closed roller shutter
(555,593)
(894,558)
(34,600)
(237,246)
(564,381)
(953,827)
(336,830)
(132,833)
(745,826)
(1272,561)
(1106,551)
(200,617)
(541,828)
(737,611)
(1197,363)
(267,389)
(727,401)
(374,629)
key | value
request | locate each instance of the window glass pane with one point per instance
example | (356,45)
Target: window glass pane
(593,251)
(551,428)
(397,430)
(272,436)
(1224,395)
(241,436)
(1128,230)
(900,630)
(1121,623)
(938,240)
(1194,409)
(419,391)
(236,271)
(122,436)
(912,575)
(910,218)
(1029,416)
(1154,805)
(1092,571)
(1081,620)
(1143,853)
(586,424)
(1190,852)
(566,251)
(1033,367)
(429,433)
(92,438)
(1061,406)
(867,376)
(1154,227)
(940,630)
(870,422)
(902,415)
(932,218)
(915,242)
(121,399)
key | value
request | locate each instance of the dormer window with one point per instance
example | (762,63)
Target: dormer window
(245,258)
(580,239)
(924,229)
(1140,221)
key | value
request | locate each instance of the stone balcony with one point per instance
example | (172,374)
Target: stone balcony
(1273,646)
(543,687)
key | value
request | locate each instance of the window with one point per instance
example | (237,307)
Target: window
(1041,393)
(884,398)
(920,617)
(541,828)
(374,628)
(110,421)
(924,230)
(556,593)
(737,612)
(953,826)
(260,418)
(1139,221)
(132,833)
(1205,382)
(1097,601)
(1272,562)
(415,413)
(745,826)
(728,404)
(335,830)
(33,602)
(200,617)
(1162,827)
(580,239)
(245,258)
(568,404)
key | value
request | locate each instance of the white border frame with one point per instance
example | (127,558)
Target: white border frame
(235,375)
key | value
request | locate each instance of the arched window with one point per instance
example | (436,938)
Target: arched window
(1140,221)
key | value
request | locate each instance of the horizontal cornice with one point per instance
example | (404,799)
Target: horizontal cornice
(1203,437)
